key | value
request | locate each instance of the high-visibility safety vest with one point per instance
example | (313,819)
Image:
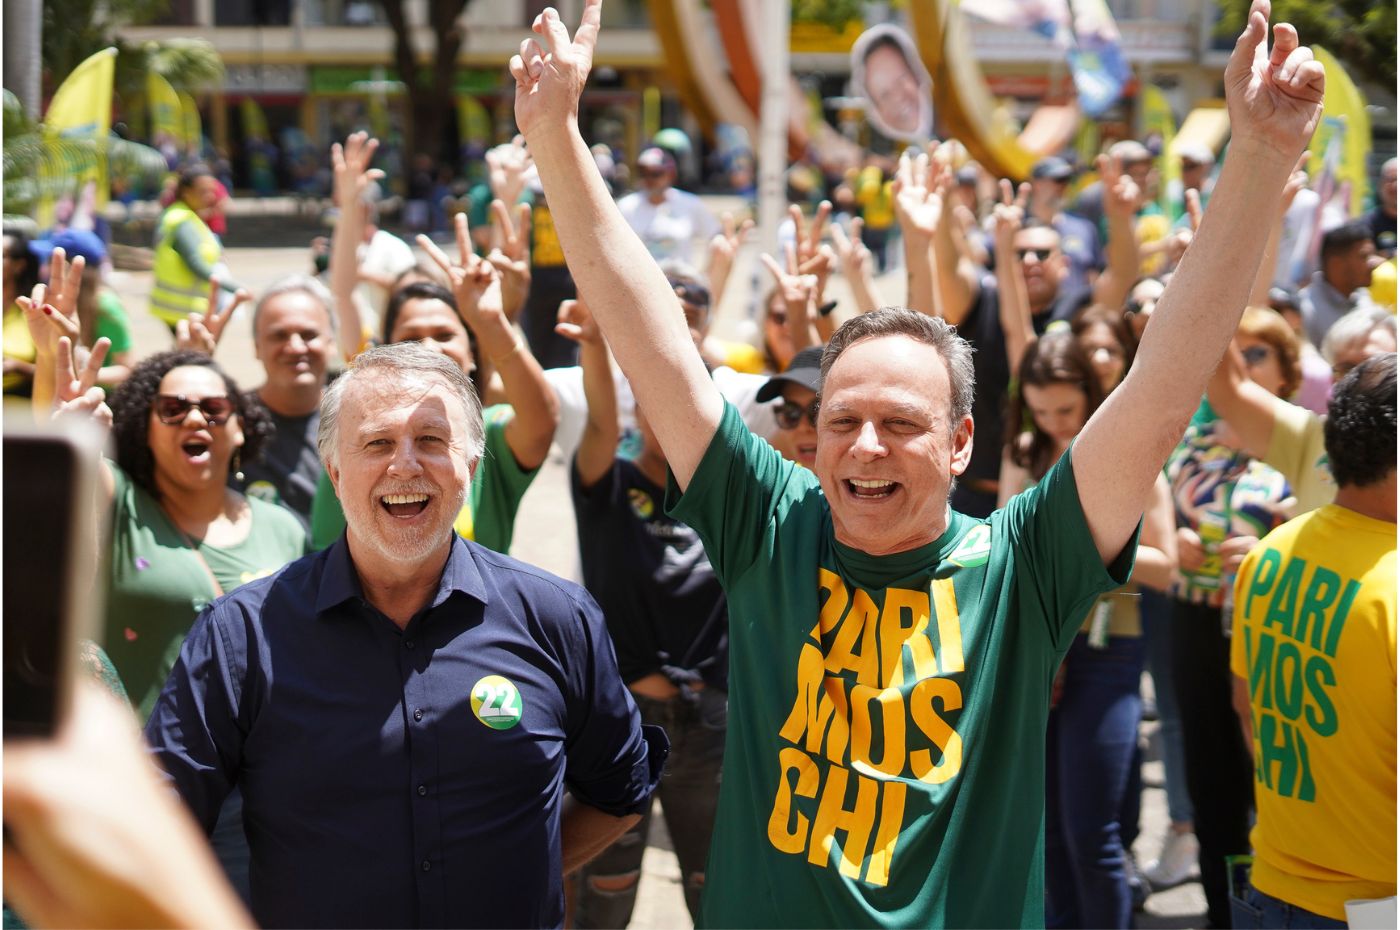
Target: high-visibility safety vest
(178,291)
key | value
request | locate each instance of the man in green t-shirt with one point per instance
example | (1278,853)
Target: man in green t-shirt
(891,660)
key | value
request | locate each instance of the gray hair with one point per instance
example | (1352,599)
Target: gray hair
(401,360)
(901,321)
(1352,328)
(296,284)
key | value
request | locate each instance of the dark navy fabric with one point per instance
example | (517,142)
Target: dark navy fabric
(375,796)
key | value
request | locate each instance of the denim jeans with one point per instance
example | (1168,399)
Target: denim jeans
(689,794)
(1156,635)
(1254,909)
(1090,746)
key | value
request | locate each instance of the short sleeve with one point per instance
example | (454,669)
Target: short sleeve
(1297,451)
(737,491)
(194,730)
(1057,563)
(499,485)
(614,762)
(112,322)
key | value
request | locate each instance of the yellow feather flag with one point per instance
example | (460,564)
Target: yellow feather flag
(81,108)
(193,129)
(1344,115)
(254,120)
(167,120)
(1155,118)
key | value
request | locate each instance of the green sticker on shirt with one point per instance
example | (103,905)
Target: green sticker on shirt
(974,549)
(496,702)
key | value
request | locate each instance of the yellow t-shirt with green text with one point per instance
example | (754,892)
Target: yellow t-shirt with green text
(1314,636)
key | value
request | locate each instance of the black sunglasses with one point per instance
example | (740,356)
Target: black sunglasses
(1039,255)
(172,409)
(790,415)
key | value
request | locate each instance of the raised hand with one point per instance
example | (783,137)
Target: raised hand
(351,165)
(511,254)
(475,281)
(1274,97)
(1010,214)
(78,395)
(1121,196)
(577,323)
(809,241)
(856,260)
(548,84)
(201,332)
(508,169)
(920,187)
(798,289)
(725,244)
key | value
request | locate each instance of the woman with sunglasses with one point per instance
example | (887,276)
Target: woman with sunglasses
(1091,739)
(180,536)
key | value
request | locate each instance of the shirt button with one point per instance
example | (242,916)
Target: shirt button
(408,644)
(427,866)
(418,714)
(422,791)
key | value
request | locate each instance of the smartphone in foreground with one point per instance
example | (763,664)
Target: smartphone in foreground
(51,595)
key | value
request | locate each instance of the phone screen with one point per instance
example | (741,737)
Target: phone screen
(44,586)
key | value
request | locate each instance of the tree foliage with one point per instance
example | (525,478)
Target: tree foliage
(429,90)
(76,29)
(1361,33)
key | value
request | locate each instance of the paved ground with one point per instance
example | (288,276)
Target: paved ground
(545,537)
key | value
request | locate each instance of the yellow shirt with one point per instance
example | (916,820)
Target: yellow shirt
(1297,451)
(17,344)
(1314,635)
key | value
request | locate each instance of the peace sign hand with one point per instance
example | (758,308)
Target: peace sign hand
(920,187)
(854,256)
(79,396)
(475,282)
(1274,97)
(548,84)
(798,289)
(511,254)
(201,332)
(1010,213)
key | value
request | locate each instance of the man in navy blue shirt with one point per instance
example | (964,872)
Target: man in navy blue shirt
(404,710)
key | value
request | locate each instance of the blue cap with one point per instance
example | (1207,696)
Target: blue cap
(75,242)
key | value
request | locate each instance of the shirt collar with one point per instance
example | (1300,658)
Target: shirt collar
(340,582)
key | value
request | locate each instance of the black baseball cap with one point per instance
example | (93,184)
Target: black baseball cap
(805,369)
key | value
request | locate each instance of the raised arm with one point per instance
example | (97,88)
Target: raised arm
(1015,301)
(723,249)
(352,176)
(598,446)
(477,285)
(857,264)
(1274,102)
(634,305)
(919,196)
(1120,202)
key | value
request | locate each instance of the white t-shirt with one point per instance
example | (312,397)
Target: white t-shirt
(671,228)
(385,255)
(739,388)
